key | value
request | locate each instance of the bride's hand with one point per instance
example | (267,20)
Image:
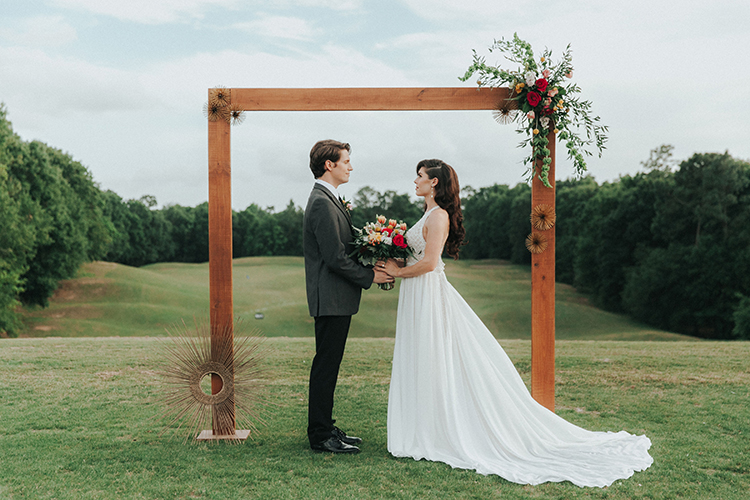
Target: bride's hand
(392,267)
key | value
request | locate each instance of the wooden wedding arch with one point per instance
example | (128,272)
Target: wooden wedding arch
(366,99)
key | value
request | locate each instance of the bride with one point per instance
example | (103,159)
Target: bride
(455,396)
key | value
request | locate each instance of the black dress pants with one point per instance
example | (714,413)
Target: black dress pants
(330,340)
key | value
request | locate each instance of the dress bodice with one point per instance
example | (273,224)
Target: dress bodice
(417,243)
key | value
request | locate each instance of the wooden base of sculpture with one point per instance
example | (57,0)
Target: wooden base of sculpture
(208,435)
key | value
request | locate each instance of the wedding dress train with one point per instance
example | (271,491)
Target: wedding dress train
(455,397)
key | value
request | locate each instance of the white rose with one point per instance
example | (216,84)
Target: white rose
(530,78)
(545,122)
(387,240)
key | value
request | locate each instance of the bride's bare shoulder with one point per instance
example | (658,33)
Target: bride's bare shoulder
(439,213)
(439,217)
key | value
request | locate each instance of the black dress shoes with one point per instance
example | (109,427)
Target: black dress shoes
(344,438)
(334,445)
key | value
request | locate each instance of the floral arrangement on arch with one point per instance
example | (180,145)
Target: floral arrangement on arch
(380,240)
(541,100)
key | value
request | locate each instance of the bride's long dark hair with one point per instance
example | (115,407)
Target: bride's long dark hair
(448,197)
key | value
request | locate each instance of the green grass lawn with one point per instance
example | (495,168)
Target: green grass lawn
(77,421)
(114,300)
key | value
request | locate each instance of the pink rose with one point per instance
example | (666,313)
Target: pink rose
(534,98)
(552,92)
(569,74)
(530,115)
(546,73)
(541,84)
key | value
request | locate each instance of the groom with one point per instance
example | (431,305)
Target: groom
(334,283)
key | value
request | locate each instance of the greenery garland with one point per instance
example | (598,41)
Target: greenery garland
(545,102)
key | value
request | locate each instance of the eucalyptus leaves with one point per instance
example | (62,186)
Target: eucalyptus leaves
(541,101)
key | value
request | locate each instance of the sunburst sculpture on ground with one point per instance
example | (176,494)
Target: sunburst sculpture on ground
(192,362)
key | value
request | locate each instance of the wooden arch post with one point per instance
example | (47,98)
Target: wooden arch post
(543,295)
(364,99)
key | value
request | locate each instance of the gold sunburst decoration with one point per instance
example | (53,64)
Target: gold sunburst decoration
(536,242)
(220,96)
(215,112)
(505,111)
(236,114)
(191,364)
(543,217)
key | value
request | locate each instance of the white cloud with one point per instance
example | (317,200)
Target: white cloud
(333,66)
(58,85)
(340,5)
(279,27)
(41,31)
(478,10)
(172,11)
(148,11)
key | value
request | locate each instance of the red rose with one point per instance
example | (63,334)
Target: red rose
(398,240)
(534,98)
(387,230)
(541,84)
(548,111)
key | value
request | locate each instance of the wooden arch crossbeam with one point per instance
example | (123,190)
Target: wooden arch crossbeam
(369,99)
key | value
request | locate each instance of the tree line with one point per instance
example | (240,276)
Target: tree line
(667,246)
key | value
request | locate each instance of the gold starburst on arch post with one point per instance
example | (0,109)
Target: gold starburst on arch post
(536,243)
(215,112)
(189,358)
(505,111)
(221,96)
(543,217)
(236,114)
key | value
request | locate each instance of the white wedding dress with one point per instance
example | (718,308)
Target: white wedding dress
(455,397)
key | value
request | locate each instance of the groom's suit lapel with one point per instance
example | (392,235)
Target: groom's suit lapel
(335,201)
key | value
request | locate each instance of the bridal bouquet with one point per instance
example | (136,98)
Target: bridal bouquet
(380,240)
(542,101)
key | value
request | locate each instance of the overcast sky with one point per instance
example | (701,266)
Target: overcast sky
(120,85)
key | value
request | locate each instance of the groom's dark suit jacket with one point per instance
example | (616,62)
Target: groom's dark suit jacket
(334,280)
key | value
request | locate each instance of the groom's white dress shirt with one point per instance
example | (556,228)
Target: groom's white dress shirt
(329,187)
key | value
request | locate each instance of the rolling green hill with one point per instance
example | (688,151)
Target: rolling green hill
(114,300)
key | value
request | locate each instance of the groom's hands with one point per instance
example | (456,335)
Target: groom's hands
(381,276)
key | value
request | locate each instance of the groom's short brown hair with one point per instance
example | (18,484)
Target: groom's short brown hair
(324,151)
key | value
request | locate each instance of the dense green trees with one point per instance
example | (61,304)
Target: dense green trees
(51,221)
(669,248)
(368,203)
(691,278)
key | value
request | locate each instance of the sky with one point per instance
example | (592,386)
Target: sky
(120,85)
